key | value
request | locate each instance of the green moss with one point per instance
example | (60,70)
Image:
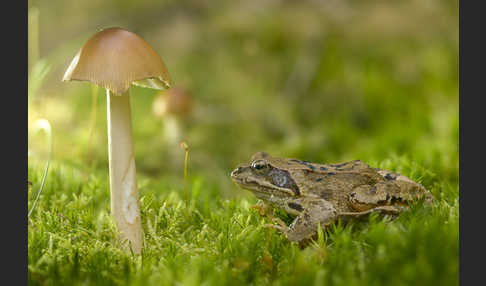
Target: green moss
(73,241)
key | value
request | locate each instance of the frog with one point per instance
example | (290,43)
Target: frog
(318,195)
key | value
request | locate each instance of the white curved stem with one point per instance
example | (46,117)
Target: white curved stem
(123,181)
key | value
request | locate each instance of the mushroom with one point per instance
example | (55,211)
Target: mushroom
(177,102)
(173,106)
(114,59)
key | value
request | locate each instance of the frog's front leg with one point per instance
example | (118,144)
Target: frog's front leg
(266,210)
(262,208)
(306,223)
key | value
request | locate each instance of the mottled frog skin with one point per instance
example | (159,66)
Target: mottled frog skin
(322,193)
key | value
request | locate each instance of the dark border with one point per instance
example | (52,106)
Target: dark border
(472,78)
(14,141)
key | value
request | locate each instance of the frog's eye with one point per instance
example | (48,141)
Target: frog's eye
(261,166)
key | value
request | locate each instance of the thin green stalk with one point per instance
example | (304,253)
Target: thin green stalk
(185,147)
(94,104)
(33,35)
(43,124)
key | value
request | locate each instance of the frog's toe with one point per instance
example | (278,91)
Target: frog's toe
(277,227)
(389,210)
(279,222)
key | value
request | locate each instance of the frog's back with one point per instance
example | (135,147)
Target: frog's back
(334,182)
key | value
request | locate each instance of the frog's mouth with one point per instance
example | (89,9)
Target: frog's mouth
(260,187)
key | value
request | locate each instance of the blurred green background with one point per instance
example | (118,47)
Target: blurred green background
(318,80)
(322,81)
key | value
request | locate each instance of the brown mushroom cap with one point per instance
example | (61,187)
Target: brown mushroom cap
(114,58)
(175,101)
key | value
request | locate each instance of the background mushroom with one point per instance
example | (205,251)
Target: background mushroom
(173,106)
(114,59)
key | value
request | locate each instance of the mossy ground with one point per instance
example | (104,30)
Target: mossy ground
(72,241)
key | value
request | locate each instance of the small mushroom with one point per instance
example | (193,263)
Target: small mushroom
(174,102)
(114,59)
(173,106)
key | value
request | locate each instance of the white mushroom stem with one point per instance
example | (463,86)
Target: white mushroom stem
(172,130)
(123,181)
(173,135)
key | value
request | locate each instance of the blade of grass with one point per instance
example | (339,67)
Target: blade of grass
(94,104)
(42,125)
(185,147)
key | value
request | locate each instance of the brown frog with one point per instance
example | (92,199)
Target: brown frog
(322,193)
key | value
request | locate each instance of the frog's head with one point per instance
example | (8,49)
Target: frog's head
(264,179)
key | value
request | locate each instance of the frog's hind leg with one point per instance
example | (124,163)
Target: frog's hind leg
(382,210)
(305,224)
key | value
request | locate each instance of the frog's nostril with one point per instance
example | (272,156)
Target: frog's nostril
(235,172)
